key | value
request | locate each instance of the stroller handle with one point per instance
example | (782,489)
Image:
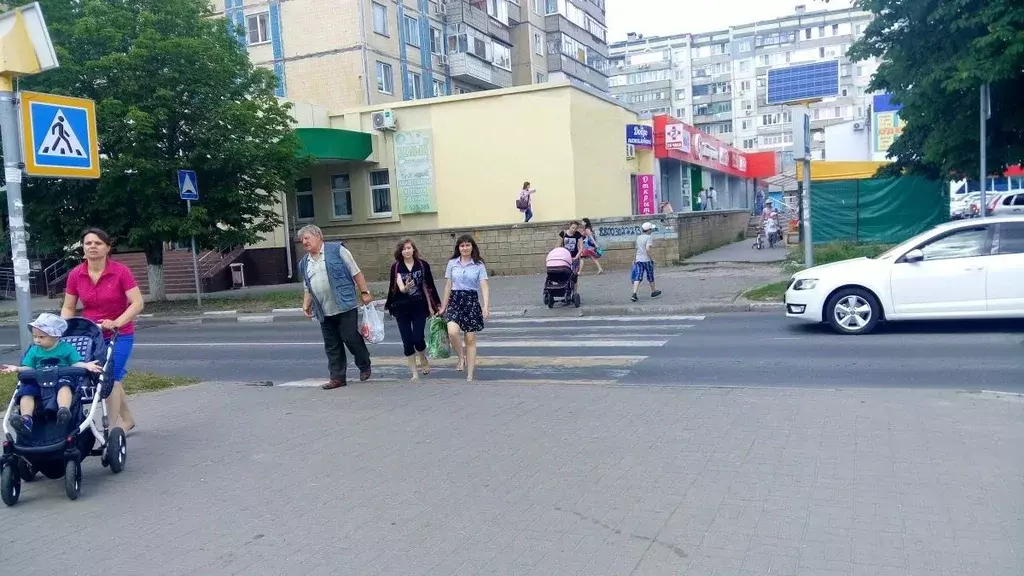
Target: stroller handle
(70,372)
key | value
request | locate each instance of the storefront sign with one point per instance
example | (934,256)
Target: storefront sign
(681,142)
(645,201)
(639,135)
(414,172)
(677,137)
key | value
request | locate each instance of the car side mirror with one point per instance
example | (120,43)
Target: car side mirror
(914,255)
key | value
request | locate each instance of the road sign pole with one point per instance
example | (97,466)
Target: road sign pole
(195,263)
(12,173)
(806,209)
(982,180)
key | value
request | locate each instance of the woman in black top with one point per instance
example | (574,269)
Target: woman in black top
(572,240)
(412,298)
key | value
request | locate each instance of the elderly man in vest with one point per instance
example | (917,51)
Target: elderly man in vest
(334,288)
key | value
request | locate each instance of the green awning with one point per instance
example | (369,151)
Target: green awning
(335,144)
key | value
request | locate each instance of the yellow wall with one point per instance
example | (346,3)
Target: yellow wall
(602,174)
(569,144)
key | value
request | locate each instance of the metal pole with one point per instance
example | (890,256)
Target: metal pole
(195,263)
(983,116)
(12,172)
(806,201)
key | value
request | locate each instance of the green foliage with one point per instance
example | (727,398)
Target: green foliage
(174,90)
(935,55)
(837,252)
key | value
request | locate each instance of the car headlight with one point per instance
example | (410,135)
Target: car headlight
(805,284)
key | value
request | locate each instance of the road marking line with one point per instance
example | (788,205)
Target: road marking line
(646,329)
(634,319)
(480,344)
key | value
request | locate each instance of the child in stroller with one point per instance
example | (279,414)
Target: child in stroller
(56,445)
(560,283)
(49,350)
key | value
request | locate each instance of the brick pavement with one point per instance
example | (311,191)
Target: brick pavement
(449,478)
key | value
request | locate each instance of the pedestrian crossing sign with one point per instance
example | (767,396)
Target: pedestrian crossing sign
(58,136)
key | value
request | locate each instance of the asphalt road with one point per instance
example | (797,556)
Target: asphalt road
(748,349)
(797,471)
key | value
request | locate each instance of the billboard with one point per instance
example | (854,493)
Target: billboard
(886,123)
(803,82)
(678,141)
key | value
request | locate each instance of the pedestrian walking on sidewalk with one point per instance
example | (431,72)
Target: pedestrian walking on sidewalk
(591,249)
(464,289)
(712,198)
(525,201)
(334,288)
(702,200)
(412,298)
(643,263)
(111,298)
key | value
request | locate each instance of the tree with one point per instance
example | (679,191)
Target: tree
(174,89)
(935,55)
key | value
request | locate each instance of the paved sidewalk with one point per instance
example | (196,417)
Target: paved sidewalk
(742,251)
(449,479)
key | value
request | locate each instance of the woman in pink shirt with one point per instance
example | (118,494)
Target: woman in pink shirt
(111,298)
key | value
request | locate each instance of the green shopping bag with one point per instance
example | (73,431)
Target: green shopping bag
(438,346)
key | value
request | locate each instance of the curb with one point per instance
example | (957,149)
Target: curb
(295,314)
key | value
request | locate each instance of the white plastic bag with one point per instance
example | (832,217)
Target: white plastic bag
(371,324)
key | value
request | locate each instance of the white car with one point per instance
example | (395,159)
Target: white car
(966,269)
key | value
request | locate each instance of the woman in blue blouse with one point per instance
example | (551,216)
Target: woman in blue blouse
(466,277)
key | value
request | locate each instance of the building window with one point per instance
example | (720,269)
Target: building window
(744,124)
(807,33)
(304,199)
(744,65)
(681,94)
(502,56)
(860,72)
(380,19)
(835,29)
(380,193)
(749,143)
(538,44)
(415,86)
(436,41)
(412,31)
(439,88)
(540,78)
(385,81)
(341,196)
(537,8)
(744,46)
(258,26)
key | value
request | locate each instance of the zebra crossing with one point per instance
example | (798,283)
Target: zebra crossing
(587,349)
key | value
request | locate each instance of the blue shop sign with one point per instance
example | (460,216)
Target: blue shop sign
(640,135)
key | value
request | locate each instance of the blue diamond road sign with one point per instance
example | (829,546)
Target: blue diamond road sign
(188,186)
(803,82)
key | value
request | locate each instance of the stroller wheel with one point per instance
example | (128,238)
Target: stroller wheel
(10,485)
(549,299)
(26,471)
(576,300)
(117,450)
(72,479)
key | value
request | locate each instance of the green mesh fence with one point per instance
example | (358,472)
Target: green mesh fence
(876,211)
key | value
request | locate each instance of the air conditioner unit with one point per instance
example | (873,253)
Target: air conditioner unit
(858,125)
(749,112)
(384,120)
(442,59)
(630,151)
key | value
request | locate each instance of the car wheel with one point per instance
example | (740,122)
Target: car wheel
(853,311)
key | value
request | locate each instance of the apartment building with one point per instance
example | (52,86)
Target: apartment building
(716,81)
(348,53)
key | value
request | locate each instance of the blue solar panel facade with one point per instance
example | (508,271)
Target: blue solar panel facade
(803,82)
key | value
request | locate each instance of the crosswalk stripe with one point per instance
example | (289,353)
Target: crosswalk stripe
(481,343)
(645,329)
(643,320)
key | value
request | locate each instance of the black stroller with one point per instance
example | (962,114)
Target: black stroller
(560,283)
(57,451)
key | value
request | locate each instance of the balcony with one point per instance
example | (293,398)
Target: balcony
(476,72)
(576,69)
(461,12)
(712,118)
